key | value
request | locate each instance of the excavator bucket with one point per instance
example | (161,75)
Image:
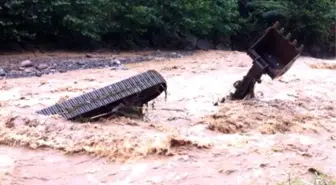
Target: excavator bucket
(273,54)
(275,49)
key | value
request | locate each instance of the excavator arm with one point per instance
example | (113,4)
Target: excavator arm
(272,54)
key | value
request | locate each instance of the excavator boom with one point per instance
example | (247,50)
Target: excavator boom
(272,54)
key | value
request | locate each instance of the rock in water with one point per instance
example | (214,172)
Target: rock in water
(2,72)
(81,62)
(30,70)
(42,66)
(26,63)
(115,62)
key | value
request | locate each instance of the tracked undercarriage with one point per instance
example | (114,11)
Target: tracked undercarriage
(127,95)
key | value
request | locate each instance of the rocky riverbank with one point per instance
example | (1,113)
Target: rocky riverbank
(16,67)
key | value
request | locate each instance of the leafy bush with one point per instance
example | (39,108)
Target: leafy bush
(129,23)
(309,21)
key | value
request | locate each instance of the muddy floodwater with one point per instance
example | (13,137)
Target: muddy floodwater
(286,133)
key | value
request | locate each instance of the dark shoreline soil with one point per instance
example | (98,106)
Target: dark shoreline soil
(18,66)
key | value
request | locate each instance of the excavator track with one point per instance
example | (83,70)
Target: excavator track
(134,91)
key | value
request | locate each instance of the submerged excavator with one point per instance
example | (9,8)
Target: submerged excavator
(273,54)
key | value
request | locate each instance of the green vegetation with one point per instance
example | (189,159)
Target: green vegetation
(151,23)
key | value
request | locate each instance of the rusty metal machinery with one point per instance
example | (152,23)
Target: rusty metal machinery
(272,54)
(132,92)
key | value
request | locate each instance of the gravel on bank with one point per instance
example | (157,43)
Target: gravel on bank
(39,66)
